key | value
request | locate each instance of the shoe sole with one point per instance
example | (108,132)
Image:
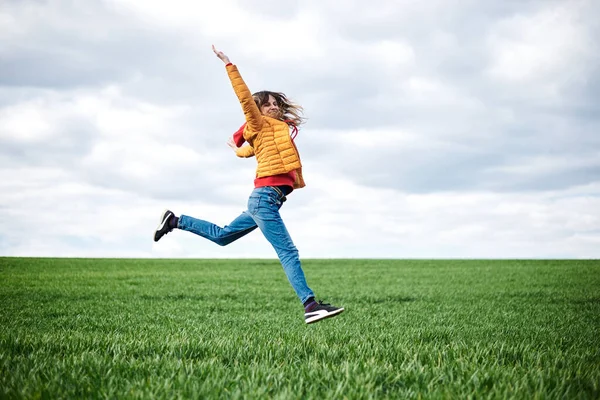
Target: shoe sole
(161,223)
(317,318)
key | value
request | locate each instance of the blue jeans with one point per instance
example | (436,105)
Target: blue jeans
(263,212)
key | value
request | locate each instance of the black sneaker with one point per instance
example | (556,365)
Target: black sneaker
(321,311)
(163,227)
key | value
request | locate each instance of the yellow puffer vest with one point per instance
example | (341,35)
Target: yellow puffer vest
(269,138)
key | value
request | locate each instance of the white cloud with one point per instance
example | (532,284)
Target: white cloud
(25,122)
(394,54)
(292,39)
(223,17)
(544,164)
(386,223)
(550,47)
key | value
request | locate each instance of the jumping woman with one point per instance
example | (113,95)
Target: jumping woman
(270,117)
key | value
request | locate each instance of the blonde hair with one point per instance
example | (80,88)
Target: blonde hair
(291,112)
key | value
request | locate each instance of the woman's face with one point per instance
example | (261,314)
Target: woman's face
(271,108)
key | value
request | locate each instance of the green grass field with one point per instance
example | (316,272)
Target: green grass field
(109,328)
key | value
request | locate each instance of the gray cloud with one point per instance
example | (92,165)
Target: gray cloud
(63,47)
(419,98)
(346,94)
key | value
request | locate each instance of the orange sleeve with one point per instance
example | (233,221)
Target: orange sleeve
(245,151)
(251,112)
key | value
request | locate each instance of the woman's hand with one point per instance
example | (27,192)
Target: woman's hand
(232,144)
(221,55)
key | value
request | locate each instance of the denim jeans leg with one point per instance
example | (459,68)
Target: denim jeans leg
(264,207)
(239,227)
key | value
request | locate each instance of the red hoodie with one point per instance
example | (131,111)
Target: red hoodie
(274,180)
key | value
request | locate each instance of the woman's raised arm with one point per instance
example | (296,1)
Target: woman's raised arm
(251,112)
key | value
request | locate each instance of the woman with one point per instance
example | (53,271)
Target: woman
(269,116)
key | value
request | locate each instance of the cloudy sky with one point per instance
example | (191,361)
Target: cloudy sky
(436,129)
